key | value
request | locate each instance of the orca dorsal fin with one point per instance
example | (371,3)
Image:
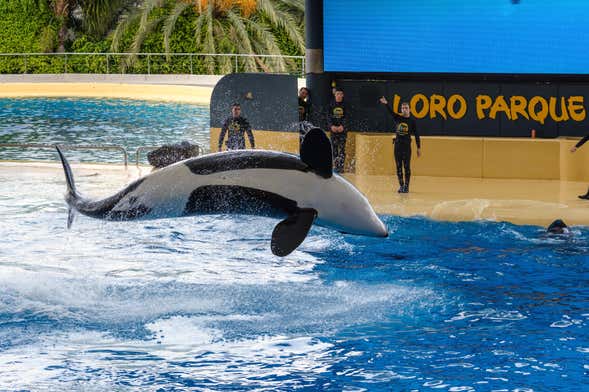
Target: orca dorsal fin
(316,152)
(292,231)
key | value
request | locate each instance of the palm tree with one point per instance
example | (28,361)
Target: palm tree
(222,26)
(98,16)
(61,9)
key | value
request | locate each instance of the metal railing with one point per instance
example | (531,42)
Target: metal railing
(70,147)
(200,149)
(120,62)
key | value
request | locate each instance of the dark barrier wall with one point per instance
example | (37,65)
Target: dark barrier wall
(453,108)
(457,108)
(269,102)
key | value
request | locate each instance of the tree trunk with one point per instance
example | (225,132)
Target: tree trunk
(61,11)
(61,38)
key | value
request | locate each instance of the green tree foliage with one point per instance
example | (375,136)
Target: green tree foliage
(22,24)
(151,26)
(268,27)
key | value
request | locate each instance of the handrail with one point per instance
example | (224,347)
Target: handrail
(143,148)
(154,54)
(108,55)
(200,150)
(70,147)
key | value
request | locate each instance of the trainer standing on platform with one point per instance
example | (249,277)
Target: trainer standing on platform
(235,126)
(336,124)
(573,149)
(404,127)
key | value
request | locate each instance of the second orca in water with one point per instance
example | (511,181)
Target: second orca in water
(299,190)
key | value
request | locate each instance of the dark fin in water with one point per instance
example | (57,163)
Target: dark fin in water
(71,215)
(316,151)
(69,176)
(291,232)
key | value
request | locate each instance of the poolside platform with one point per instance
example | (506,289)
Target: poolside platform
(535,202)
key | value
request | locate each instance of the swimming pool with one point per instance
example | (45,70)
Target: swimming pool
(200,303)
(128,123)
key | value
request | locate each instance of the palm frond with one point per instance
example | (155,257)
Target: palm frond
(125,21)
(243,37)
(198,27)
(265,42)
(297,5)
(224,63)
(99,15)
(283,20)
(170,23)
(209,40)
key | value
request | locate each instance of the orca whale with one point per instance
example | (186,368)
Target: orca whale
(300,190)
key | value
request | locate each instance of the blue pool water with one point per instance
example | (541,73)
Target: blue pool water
(127,123)
(201,303)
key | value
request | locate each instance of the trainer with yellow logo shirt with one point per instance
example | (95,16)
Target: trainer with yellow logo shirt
(405,126)
(235,126)
(336,125)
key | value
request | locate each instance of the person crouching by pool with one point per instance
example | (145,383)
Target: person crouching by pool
(405,126)
(573,149)
(236,126)
(336,124)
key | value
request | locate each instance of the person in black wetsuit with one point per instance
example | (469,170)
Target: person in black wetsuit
(304,112)
(405,126)
(304,104)
(235,126)
(336,124)
(573,149)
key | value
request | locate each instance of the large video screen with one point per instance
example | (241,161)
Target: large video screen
(457,36)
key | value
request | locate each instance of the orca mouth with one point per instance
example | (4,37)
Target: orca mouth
(383,232)
(380,230)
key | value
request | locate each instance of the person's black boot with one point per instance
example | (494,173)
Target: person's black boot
(401,187)
(585,196)
(406,187)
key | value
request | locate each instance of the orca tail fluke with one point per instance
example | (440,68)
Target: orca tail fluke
(69,176)
(71,194)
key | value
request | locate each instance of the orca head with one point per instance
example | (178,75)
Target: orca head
(558,227)
(341,205)
(346,209)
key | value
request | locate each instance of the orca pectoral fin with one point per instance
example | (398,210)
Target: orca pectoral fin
(292,231)
(71,215)
(316,151)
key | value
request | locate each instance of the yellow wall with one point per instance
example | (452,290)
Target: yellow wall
(287,142)
(573,166)
(521,158)
(441,156)
(265,140)
(474,157)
